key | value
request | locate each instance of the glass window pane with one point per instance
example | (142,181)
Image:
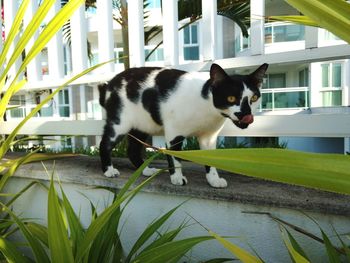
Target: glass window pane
(186,35)
(266,102)
(17,113)
(277,81)
(64,111)
(325,75)
(66,96)
(290,100)
(191,53)
(336,75)
(332,98)
(46,111)
(194,34)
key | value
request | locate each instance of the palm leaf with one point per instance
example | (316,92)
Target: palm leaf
(303,20)
(332,15)
(329,172)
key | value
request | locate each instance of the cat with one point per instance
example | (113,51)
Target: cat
(177,104)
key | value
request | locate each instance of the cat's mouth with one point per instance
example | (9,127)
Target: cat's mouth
(243,123)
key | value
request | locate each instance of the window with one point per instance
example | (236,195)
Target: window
(19,102)
(157,55)
(275,94)
(304,77)
(191,45)
(63,103)
(331,84)
(276,32)
(273,81)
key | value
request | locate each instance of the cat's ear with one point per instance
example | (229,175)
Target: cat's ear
(258,75)
(217,73)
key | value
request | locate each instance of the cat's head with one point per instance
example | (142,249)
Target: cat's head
(237,96)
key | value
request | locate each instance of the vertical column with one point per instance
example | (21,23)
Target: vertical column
(10,9)
(79,40)
(105,34)
(55,49)
(136,33)
(209,29)
(315,84)
(170,33)
(257,17)
(311,37)
(34,68)
(80,57)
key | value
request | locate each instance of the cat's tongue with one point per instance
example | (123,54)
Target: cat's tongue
(247,119)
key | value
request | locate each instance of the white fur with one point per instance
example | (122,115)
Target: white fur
(148,171)
(111,172)
(214,180)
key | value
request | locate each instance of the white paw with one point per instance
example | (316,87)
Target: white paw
(111,172)
(214,180)
(178,179)
(149,171)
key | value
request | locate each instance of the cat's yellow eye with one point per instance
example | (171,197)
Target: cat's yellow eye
(254,98)
(231,99)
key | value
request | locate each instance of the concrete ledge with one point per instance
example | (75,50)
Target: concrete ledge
(85,170)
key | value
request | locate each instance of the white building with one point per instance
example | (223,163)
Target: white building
(309,72)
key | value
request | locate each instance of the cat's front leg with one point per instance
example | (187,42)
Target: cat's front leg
(175,167)
(108,142)
(213,178)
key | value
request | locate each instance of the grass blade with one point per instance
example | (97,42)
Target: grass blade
(332,253)
(296,245)
(98,224)
(240,253)
(59,243)
(11,253)
(149,231)
(295,256)
(175,249)
(35,245)
(40,232)
(15,28)
(76,229)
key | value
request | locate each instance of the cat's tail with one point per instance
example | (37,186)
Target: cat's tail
(102,88)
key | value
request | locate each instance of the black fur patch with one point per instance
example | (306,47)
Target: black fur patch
(166,81)
(135,147)
(150,101)
(206,89)
(113,108)
(175,145)
(133,77)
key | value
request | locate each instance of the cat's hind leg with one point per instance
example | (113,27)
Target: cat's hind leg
(109,140)
(135,151)
(213,178)
(175,168)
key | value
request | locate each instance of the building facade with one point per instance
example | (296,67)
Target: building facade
(309,70)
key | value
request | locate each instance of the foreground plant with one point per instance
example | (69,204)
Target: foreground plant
(65,239)
(332,15)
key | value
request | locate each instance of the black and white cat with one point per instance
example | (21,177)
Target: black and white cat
(177,104)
